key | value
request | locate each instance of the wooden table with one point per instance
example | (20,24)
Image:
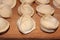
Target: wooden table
(13,31)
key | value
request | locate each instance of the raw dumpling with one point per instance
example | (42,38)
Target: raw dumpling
(25,9)
(47,30)
(56,3)
(45,9)
(27,1)
(26,24)
(42,1)
(4,25)
(49,22)
(11,3)
(5,11)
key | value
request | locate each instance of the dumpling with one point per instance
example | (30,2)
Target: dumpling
(26,24)
(49,22)
(56,3)
(5,11)
(47,30)
(27,1)
(4,25)
(11,3)
(25,9)
(42,1)
(45,9)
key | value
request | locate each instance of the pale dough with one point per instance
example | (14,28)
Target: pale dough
(49,22)
(45,9)
(5,11)
(47,30)
(27,1)
(56,3)
(4,25)
(26,24)
(42,1)
(11,3)
(25,9)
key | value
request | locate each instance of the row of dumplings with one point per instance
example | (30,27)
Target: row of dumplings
(25,23)
(55,2)
(6,8)
(5,12)
(12,3)
(48,22)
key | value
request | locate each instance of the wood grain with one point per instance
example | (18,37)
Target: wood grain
(13,31)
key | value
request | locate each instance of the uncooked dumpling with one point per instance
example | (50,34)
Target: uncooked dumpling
(47,30)
(5,11)
(42,1)
(4,25)
(26,24)
(25,9)
(56,3)
(45,9)
(49,22)
(27,1)
(11,3)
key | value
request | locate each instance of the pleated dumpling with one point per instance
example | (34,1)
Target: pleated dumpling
(42,1)
(27,1)
(45,9)
(5,11)
(25,9)
(26,24)
(56,3)
(4,25)
(49,23)
(11,3)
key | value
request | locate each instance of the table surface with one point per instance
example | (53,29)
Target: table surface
(13,31)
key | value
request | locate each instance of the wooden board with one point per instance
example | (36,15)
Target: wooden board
(13,31)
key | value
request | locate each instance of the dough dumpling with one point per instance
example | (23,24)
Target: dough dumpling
(4,25)
(42,1)
(45,9)
(27,1)
(25,9)
(47,30)
(5,11)
(56,3)
(26,24)
(11,3)
(49,22)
